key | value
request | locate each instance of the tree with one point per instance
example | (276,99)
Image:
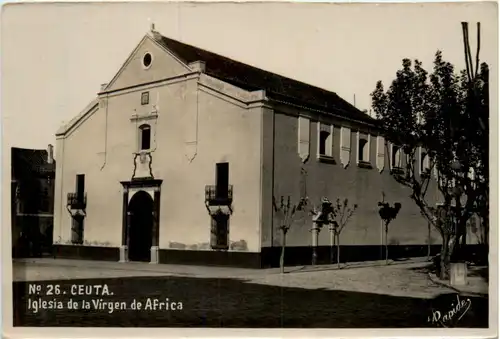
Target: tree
(435,113)
(341,213)
(476,85)
(387,214)
(286,212)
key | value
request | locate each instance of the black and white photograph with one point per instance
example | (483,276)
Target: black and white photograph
(257,166)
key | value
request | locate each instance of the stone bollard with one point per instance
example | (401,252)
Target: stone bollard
(154,255)
(315,232)
(458,274)
(123,253)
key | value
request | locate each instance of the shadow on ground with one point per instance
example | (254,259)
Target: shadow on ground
(208,302)
(482,272)
(472,270)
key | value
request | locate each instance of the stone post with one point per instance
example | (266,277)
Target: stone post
(315,232)
(154,247)
(458,274)
(125,225)
(156,224)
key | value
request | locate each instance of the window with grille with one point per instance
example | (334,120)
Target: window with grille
(145,98)
(220,231)
(77,229)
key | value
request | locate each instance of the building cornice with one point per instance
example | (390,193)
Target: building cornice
(150,84)
(323,112)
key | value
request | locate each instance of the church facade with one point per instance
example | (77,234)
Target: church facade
(179,156)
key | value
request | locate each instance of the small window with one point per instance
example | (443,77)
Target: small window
(396,158)
(80,186)
(220,231)
(147,60)
(324,141)
(363,151)
(145,98)
(145,137)
(222,179)
(424,163)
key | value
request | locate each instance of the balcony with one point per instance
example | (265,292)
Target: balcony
(215,196)
(76,201)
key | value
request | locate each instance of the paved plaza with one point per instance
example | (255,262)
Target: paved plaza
(359,295)
(406,279)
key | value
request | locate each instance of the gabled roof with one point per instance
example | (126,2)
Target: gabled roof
(67,126)
(251,78)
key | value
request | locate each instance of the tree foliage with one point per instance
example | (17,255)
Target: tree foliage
(446,115)
(341,213)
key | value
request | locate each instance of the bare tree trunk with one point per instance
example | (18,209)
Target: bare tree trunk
(386,245)
(332,244)
(338,250)
(428,240)
(283,246)
(486,229)
(444,258)
(382,239)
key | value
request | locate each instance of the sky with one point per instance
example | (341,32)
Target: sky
(55,56)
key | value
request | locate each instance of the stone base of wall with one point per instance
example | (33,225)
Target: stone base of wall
(269,257)
(180,257)
(210,258)
(86,252)
(298,256)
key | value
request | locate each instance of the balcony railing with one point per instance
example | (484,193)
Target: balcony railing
(76,201)
(214,195)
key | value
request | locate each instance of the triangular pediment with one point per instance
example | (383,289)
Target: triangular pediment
(148,62)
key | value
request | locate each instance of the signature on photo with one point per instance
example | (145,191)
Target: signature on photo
(451,316)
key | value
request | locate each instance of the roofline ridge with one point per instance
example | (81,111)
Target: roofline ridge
(156,33)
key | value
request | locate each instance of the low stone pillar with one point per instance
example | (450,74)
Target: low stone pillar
(124,253)
(315,233)
(458,274)
(154,255)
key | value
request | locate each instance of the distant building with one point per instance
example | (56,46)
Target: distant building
(32,200)
(179,156)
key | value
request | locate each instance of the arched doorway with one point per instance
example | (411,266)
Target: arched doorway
(141,227)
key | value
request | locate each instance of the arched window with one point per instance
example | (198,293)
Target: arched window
(363,151)
(145,137)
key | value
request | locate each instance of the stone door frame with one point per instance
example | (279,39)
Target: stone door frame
(153,187)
